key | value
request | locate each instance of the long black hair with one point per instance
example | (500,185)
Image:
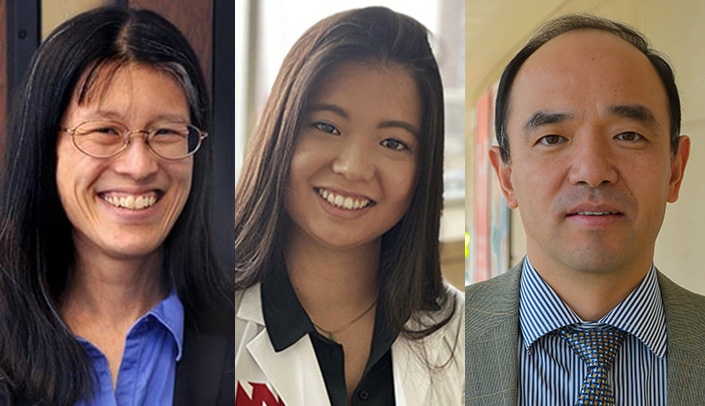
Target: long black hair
(39,358)
(410,275)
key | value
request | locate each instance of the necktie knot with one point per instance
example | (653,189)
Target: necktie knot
(597,348)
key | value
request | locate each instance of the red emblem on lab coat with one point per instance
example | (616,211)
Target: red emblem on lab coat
(261,396)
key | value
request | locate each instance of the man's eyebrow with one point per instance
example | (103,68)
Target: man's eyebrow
(636,112)
(541,118)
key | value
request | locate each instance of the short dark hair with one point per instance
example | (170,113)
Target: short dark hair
(409,263)
(40,360)
(572,22)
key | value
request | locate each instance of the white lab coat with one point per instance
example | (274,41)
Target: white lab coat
(293,378)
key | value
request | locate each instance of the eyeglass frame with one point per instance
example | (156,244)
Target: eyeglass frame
(127,138)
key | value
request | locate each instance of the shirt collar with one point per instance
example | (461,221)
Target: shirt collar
(170,313)
(640,314)
(382,337)
(285,318)
(287,321)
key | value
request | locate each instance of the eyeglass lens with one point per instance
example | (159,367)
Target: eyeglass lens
(105,139)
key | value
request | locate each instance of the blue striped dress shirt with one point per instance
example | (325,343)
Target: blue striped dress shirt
(551,373)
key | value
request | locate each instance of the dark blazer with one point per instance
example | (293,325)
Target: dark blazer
(206,373)
(4,394)
(492,339)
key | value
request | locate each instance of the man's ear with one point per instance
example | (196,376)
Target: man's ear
(504,174)
(678,163)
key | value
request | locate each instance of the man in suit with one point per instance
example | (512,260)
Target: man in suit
(590,151)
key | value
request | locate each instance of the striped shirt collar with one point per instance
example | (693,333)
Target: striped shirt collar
(640,314)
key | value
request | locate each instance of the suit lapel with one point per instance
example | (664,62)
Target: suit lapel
(685,324)
(492,337)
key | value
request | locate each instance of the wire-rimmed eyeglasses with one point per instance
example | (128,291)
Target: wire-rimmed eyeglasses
(106,139)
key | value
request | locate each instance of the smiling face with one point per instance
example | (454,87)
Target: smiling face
(124,207)
(591,166)
(353,171)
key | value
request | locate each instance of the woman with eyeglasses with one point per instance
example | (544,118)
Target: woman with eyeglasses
(339,294)
(109,289)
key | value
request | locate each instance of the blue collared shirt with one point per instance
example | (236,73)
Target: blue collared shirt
(551,373)
(148,369)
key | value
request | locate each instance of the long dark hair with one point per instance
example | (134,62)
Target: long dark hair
(410,276)
(39,358)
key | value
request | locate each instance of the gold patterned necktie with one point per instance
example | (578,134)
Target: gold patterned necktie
(597,347)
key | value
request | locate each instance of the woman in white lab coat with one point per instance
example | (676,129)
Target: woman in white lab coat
(339,293)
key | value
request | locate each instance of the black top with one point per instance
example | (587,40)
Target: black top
(287,322)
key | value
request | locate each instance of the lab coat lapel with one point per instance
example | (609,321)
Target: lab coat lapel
(290,370)
(411,373)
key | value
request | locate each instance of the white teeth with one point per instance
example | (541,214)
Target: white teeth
(347,203)
(594,213)
(131,202)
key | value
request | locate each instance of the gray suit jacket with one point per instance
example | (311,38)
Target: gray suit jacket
(492,339)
